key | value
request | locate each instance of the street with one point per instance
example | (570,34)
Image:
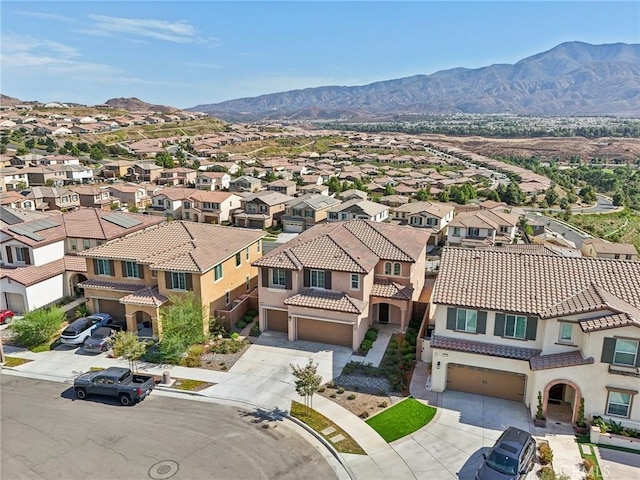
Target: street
(47,433)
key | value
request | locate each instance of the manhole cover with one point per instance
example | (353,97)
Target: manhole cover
(164,469)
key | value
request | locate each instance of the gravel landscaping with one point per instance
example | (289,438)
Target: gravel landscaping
(359,402)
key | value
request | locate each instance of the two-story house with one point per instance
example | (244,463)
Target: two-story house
(245,183)
(94,197)
(13,179)
(286,187)
(434,216)
(178,176)
(213,180)
(358,209)
(512,324)
(599,248)
(115,169)
(261,209)
(210,206)
(144,172)
(305,211)
(51,198)
(168,202)
(333,281)
(132,277)
(130,194)
(482,228)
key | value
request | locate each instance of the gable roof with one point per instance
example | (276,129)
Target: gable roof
(542,285)
(353,246)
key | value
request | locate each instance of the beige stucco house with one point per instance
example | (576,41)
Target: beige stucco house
(333,281)
(599,248)
(434,216)
(481,228)
(511,324)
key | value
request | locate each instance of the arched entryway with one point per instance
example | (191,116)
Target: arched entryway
(561,401)
(75,280)
(144,324)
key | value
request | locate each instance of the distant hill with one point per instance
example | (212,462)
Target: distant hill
(136,105)
(572,78)
(7,101)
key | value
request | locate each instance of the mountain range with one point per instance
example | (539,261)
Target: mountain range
(573,78)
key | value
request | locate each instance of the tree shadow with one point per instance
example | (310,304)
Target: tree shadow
(261,415)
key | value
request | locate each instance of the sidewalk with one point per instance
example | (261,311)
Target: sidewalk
(381,461)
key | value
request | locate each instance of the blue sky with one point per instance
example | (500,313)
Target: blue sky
(183,53)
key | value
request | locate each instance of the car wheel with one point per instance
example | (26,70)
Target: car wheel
(125,400)
(81,393)
(8,320)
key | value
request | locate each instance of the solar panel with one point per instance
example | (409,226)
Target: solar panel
(29,229)
(122,220)
(8,217)
(26,233)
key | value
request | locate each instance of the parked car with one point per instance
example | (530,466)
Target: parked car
(5,316)
(100,339)
(511,458)
(115,382)
(81,329)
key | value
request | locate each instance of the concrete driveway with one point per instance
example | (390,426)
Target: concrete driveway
(451,446)
(616,465)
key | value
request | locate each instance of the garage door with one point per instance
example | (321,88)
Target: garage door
(15,302)
(112,307)
(325,332)
(256,223)
(483,381)
(278,320)
(292,227)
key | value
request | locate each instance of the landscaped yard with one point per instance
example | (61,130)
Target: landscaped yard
(320,423)
(15,361)
(402,419)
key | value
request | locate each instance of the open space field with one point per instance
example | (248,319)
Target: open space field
(616,227)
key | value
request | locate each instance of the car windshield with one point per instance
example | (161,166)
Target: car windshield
(503,463)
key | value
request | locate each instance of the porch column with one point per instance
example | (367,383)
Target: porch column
(292,330)
(156,326)
(132,325)
(403,319)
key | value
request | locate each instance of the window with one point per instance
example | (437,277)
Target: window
(387,268)
(104,267)
(333,215)
(187,215)
(625,352)
(473,232)
(187,205)
(416,220)
(154,274)
(74,243)
(467,320)
(86,244)
(515,326)
(246,253)
(99,242)
(317,278)
(263,209)
(131,269)
(297,212)
(64,199)
(566,332)
(397,270)
(178,281)
(309,214)
(618,404)
(355,281)
(278,277)
(627,257)
(258,245)
(22,254)
(456,231)
(217,272)
(227,297)
(238,259)
(617,256)
(247,282)
(504,229)
(432,221)
(344,216)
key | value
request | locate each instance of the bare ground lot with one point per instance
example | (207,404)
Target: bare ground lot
(627,149)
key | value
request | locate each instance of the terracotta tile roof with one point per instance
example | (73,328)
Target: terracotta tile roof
(388,289)
(353,246)
(326,300)
(53,234)
(145,296)
(34,273)
(484,348)
(607,321)
(515,282)
(532,248)
(73,263)
(107,285)
(91,223)
(181,246)
(559,360)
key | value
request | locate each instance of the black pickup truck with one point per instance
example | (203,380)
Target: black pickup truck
(118,382)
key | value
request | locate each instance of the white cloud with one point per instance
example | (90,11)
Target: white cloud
(176,32)
(25,51)
(43,15)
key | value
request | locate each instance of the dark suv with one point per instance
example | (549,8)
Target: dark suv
(511,458)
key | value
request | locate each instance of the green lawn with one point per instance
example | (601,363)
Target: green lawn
(402,419)
(15,362)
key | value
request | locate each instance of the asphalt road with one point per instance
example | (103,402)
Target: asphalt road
(557,227)
(47,434)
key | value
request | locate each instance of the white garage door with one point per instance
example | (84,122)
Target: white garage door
(292,227)
(15,302)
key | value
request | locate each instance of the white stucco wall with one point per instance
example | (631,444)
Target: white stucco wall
(48,253)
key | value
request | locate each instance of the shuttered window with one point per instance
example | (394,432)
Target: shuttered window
(515,326)
(317,278)
(466,320)
(278,277)
(103,267)
(625,352)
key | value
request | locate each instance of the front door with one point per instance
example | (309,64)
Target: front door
(383,313)
(556,394)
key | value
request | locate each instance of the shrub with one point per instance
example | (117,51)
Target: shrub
(333,395)
(251,314)
(366,345)
(331,384)
(321,389)
(38,326)
(340,390)
(255,330)
(351,396)
(371,335)
(545,453)
(393,345)
(82,311)
(215,329)
(247,319)
(364,414)
(241,324)
(234,335)
(410,357)
(588,464)
(547,473)
(382,405)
